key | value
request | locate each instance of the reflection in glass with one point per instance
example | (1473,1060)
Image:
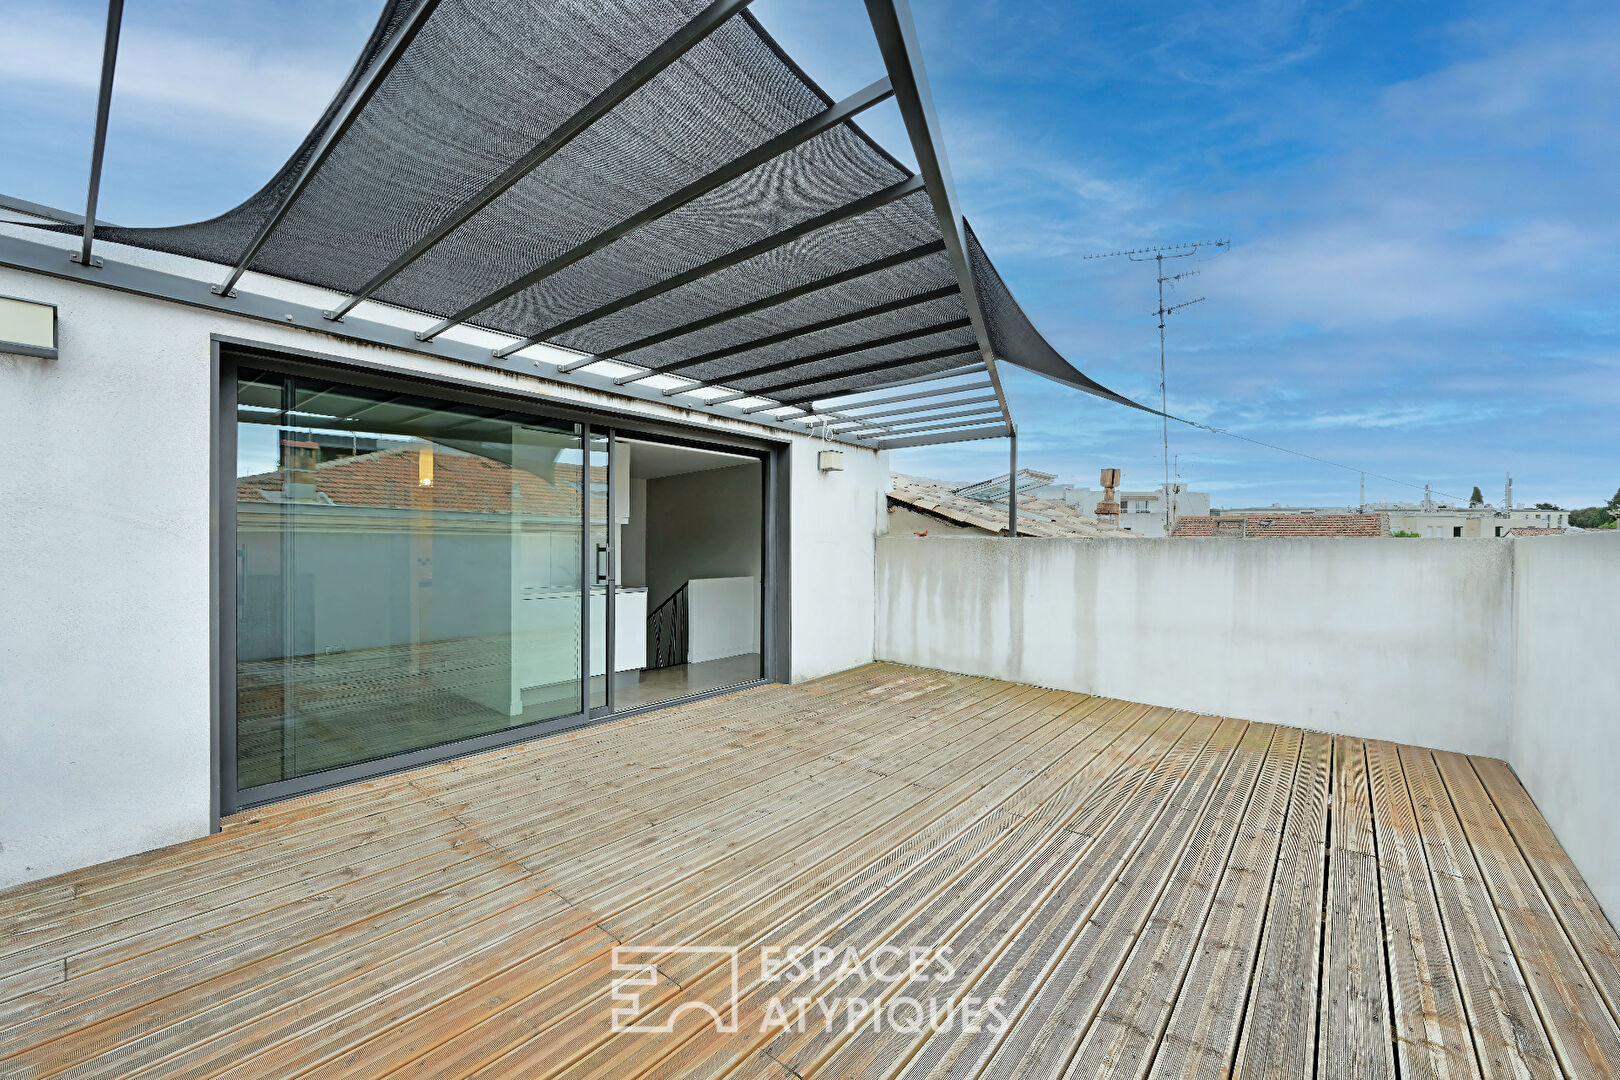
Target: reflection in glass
(408,574)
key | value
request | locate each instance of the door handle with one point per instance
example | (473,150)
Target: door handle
(603,556)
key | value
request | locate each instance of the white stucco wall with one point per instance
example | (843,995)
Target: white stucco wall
(1566,685)
(835,516)
(105,735)
(1382,638)
(1507,648)
(105,724)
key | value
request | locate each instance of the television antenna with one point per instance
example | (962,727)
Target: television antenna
(1157,256)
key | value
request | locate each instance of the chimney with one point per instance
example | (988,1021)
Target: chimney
(1108,509)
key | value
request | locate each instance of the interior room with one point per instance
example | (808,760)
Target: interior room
(690,570)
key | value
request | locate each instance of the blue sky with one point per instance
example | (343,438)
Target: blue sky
(1421,196)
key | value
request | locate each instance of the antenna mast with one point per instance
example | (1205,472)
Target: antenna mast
(1157,255)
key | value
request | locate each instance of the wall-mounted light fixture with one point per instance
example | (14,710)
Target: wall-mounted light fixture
(830,460)
(27,327)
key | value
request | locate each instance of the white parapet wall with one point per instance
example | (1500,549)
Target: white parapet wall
(1565,743)
(1509,649)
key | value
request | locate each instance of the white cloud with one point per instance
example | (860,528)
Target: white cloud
(1382,268)
(161,72)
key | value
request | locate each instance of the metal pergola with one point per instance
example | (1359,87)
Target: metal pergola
(809,344)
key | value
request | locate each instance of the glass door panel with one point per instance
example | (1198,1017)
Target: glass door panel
(409,573)
(599,540)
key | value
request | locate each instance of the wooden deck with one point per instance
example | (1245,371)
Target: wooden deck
(1139,892)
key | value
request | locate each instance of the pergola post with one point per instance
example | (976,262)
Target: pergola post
(1012,482)
(109,60)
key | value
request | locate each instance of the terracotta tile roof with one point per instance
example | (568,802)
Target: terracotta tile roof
(1036,517)
(1534,530)
(1253,526)
(462,482)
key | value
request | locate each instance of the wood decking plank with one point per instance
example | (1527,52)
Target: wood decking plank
(1133,1022)
(1561,884)
(1583,1032)
(1143,891)
(1016,975)
(1508,1036)
(1355,1040)
(1063,873)
(1432,1038)
(1062,1010)
(1279,1035)
(99,907)
(838,911)
(205,993)
(378,1001)
(376,849)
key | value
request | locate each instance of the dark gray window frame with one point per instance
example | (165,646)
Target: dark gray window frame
(228,352)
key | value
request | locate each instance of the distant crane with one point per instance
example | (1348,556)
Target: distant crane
(1158,255)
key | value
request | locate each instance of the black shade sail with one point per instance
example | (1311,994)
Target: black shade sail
(652,184)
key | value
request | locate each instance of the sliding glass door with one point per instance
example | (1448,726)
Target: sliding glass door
(415,577)
(408,573)
(689,569)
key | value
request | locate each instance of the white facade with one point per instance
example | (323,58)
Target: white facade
(1431,521)
(1453,523)
(106,650)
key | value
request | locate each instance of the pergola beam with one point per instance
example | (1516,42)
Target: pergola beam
(788,335)
(766,302)
(880,198)
(794,136)
(848,350)
(902,56)
(369,85)
(974,368)
(925,408)
(991,418)
(898,398)
(644,71)
(869,369)
(916,424)
(98,148)
(955,435)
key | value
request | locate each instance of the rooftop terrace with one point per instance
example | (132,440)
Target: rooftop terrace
(1150,891)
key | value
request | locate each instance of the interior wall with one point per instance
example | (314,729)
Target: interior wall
(633,539)
(703,525)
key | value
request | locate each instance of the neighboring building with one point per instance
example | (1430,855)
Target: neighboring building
(1429,520)
(1443,522)
(1546,519)
(1258,526)
(1140,512)
(1531,531)
(922,506)
(1279,508)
